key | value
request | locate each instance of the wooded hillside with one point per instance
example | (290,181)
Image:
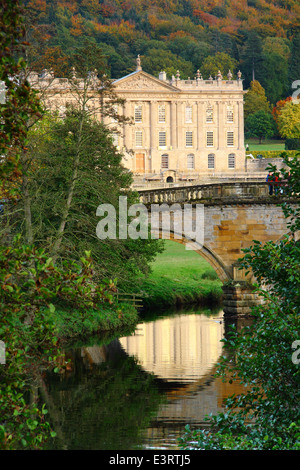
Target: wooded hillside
(259,37)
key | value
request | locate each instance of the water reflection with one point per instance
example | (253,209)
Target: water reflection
(140,391)
(182,349)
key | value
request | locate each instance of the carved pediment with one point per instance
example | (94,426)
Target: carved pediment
(142,81)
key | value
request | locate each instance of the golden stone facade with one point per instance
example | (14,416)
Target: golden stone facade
(182,130)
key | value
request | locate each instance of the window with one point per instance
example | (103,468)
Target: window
(161,113)
(209,114)
(231,160)
(210,139)
(139,138)
(165,161)
(229,113)
(162,141)
(138,113)
(211,161)
(230,139)
(188,114)
(189,139)
(191,161)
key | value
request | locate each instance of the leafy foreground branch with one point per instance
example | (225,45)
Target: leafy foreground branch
(264,357)
(33,289)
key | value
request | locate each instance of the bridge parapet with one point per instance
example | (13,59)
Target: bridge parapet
(206,193)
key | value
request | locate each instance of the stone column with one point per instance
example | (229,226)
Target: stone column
(240,125)
(200,126)
(153,123)
(221,143)
(180,114)
(173,123)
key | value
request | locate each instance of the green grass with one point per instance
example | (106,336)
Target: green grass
(181,276)
(267,144)
(75,325)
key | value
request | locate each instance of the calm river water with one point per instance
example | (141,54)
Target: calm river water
(140,391)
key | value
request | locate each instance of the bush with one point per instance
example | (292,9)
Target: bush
(209,274)
(292,144)
(273,153)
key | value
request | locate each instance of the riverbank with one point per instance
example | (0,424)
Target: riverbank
(180,277)
(75,325)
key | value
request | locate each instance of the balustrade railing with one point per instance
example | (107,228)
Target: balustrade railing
(205,192)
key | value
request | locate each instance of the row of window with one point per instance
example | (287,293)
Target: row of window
(191,161)
(189,139)
(138,114)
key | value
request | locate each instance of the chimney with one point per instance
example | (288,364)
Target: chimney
(162,76)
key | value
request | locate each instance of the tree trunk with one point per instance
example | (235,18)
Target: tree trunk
(62,225)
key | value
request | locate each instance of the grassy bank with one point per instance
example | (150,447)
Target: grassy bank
(180,277)
(267,144)
(109,320)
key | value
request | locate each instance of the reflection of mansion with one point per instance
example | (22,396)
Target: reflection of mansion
(183,130)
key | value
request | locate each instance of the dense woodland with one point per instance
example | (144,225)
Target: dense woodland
(259,37)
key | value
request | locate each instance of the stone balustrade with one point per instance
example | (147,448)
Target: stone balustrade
(206,193)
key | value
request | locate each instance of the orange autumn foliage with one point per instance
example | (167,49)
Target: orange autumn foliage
(278,108)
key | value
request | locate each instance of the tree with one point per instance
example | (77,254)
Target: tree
(190,49)
(260,124)
(294,66)
(255,99)
(220,61)
(278,107)
(265,355)
(71,167)
(155,60)
(288,121)
(30,283)
(251,58)
(77,168)
(21,103)
(275,76)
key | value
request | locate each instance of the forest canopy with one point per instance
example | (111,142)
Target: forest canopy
(260,37)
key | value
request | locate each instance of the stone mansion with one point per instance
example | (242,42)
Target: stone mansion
(181,130)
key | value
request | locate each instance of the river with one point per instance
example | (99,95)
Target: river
(140,391)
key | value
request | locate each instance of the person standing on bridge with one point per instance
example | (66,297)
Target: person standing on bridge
(270,178)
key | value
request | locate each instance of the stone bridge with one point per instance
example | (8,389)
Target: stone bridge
(235,214)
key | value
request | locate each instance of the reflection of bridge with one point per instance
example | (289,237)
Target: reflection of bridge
(235,214)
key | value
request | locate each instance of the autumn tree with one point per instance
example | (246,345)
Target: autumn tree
(289,121)
(255,99)
(278,107)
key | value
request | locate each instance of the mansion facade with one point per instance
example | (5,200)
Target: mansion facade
(181,130)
